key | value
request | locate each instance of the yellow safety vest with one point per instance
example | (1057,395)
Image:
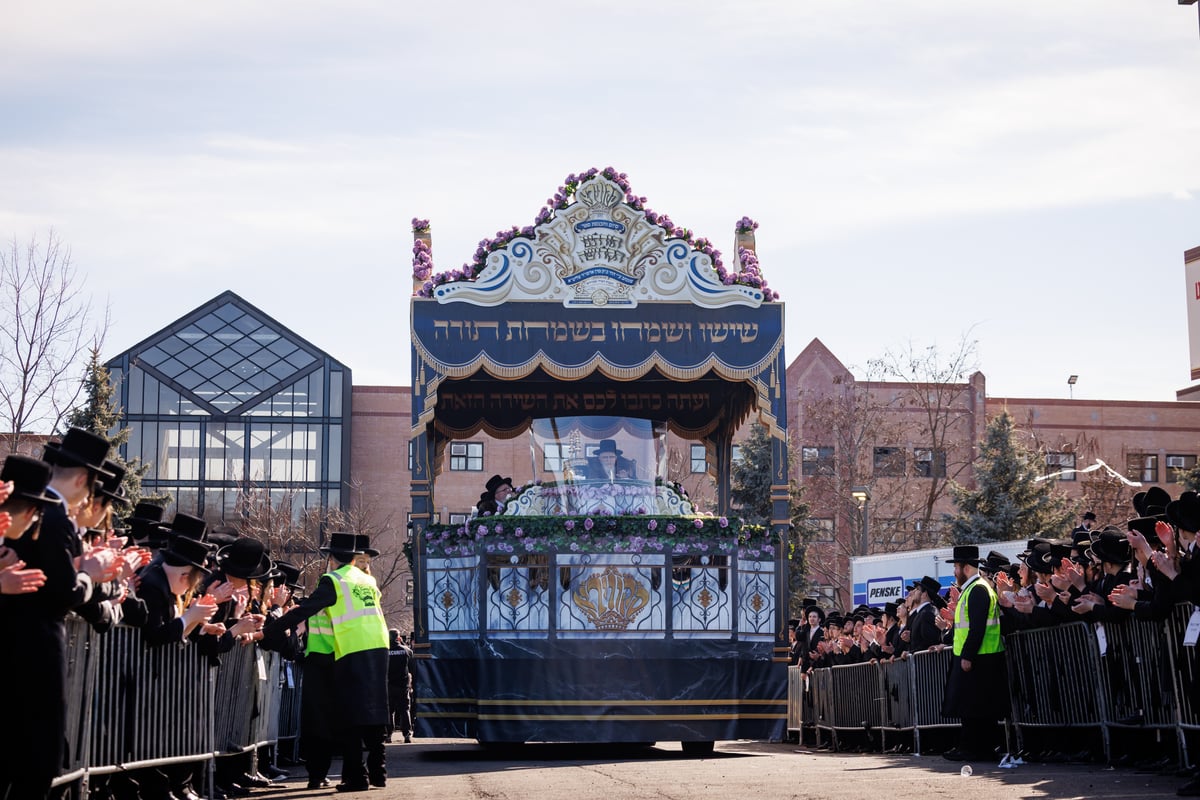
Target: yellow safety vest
(320,634)
(356,616)
(992,642)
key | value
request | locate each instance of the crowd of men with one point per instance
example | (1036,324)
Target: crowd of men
(181,584)
(1141,570)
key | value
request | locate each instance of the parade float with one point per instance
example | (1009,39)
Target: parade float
(593,607)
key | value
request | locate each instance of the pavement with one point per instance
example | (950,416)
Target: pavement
(454,769)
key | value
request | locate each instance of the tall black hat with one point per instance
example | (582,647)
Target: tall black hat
(182,551)
(1039,559)
(29,476)
(1112,548)
(932,586)
(146,525)
(1184,513)
(995,561)
(1152,502)
(189,527)
(608,446)
(965,554)
(495,482)
(79,448)
(246,558)
(362,544)
(289,574)
(110,486)
(341,545)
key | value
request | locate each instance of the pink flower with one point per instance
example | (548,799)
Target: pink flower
(699,523)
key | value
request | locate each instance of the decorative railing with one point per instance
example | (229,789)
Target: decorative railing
(569,594)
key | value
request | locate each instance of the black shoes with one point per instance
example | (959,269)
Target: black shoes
(965,755)
(273,772)
(323,783)
(256,781)
(379,781)
(352,787)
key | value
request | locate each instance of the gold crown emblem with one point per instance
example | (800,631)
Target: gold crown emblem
(612,599)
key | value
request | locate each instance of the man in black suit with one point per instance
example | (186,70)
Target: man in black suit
(977,685)
(922,619)
(609,465)
(31,754)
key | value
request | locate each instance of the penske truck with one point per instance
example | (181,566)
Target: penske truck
(885,578)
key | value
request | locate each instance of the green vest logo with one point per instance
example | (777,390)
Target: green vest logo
(364,595)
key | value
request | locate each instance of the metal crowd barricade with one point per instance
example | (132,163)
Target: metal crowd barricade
(796,695)
(152,706)
(1136,667)
(291,680)
(855,702)
(237,685)
(1185,673)
(1146,679)
(897,699)
(81,669)
(821,686)
(1054,680)
(929,669)
(132,707)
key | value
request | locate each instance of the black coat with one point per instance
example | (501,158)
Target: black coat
(924,632)
(359,680)
(982,692)
(162,625)
(35,674)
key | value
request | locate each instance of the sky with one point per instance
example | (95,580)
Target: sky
(1024,175)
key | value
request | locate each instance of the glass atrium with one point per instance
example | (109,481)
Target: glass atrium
(227,399)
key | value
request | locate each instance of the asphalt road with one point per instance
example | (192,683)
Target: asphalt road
(452,769)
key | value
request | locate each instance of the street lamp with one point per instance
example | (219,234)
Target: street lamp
(1071,383)
(862,496)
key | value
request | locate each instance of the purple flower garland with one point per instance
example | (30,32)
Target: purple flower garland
(750,275)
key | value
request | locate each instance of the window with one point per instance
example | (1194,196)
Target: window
(822,529)
(929,463)
(1057,462)
(408,590)
(889,462)
(735,455)
(1177,464)
(1142,467)
(816,460)
(699,458)
(410,456)
(552,456)
(466,456)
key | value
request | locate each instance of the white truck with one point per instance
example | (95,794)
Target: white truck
(885,578)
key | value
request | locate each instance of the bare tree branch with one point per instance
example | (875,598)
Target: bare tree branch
(46,332)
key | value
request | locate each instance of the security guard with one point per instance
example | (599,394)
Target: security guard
(345,618)
(977,686)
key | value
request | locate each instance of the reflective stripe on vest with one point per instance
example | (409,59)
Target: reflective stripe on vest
(992,642)
(320,633)
(357,617)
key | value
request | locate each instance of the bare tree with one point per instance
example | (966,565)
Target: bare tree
(938,416)
(46,332)
(295,534)
(700,486)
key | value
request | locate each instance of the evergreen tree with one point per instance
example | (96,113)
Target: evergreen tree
(1190,478)
(751,479)
(1009,502)
(101,415)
